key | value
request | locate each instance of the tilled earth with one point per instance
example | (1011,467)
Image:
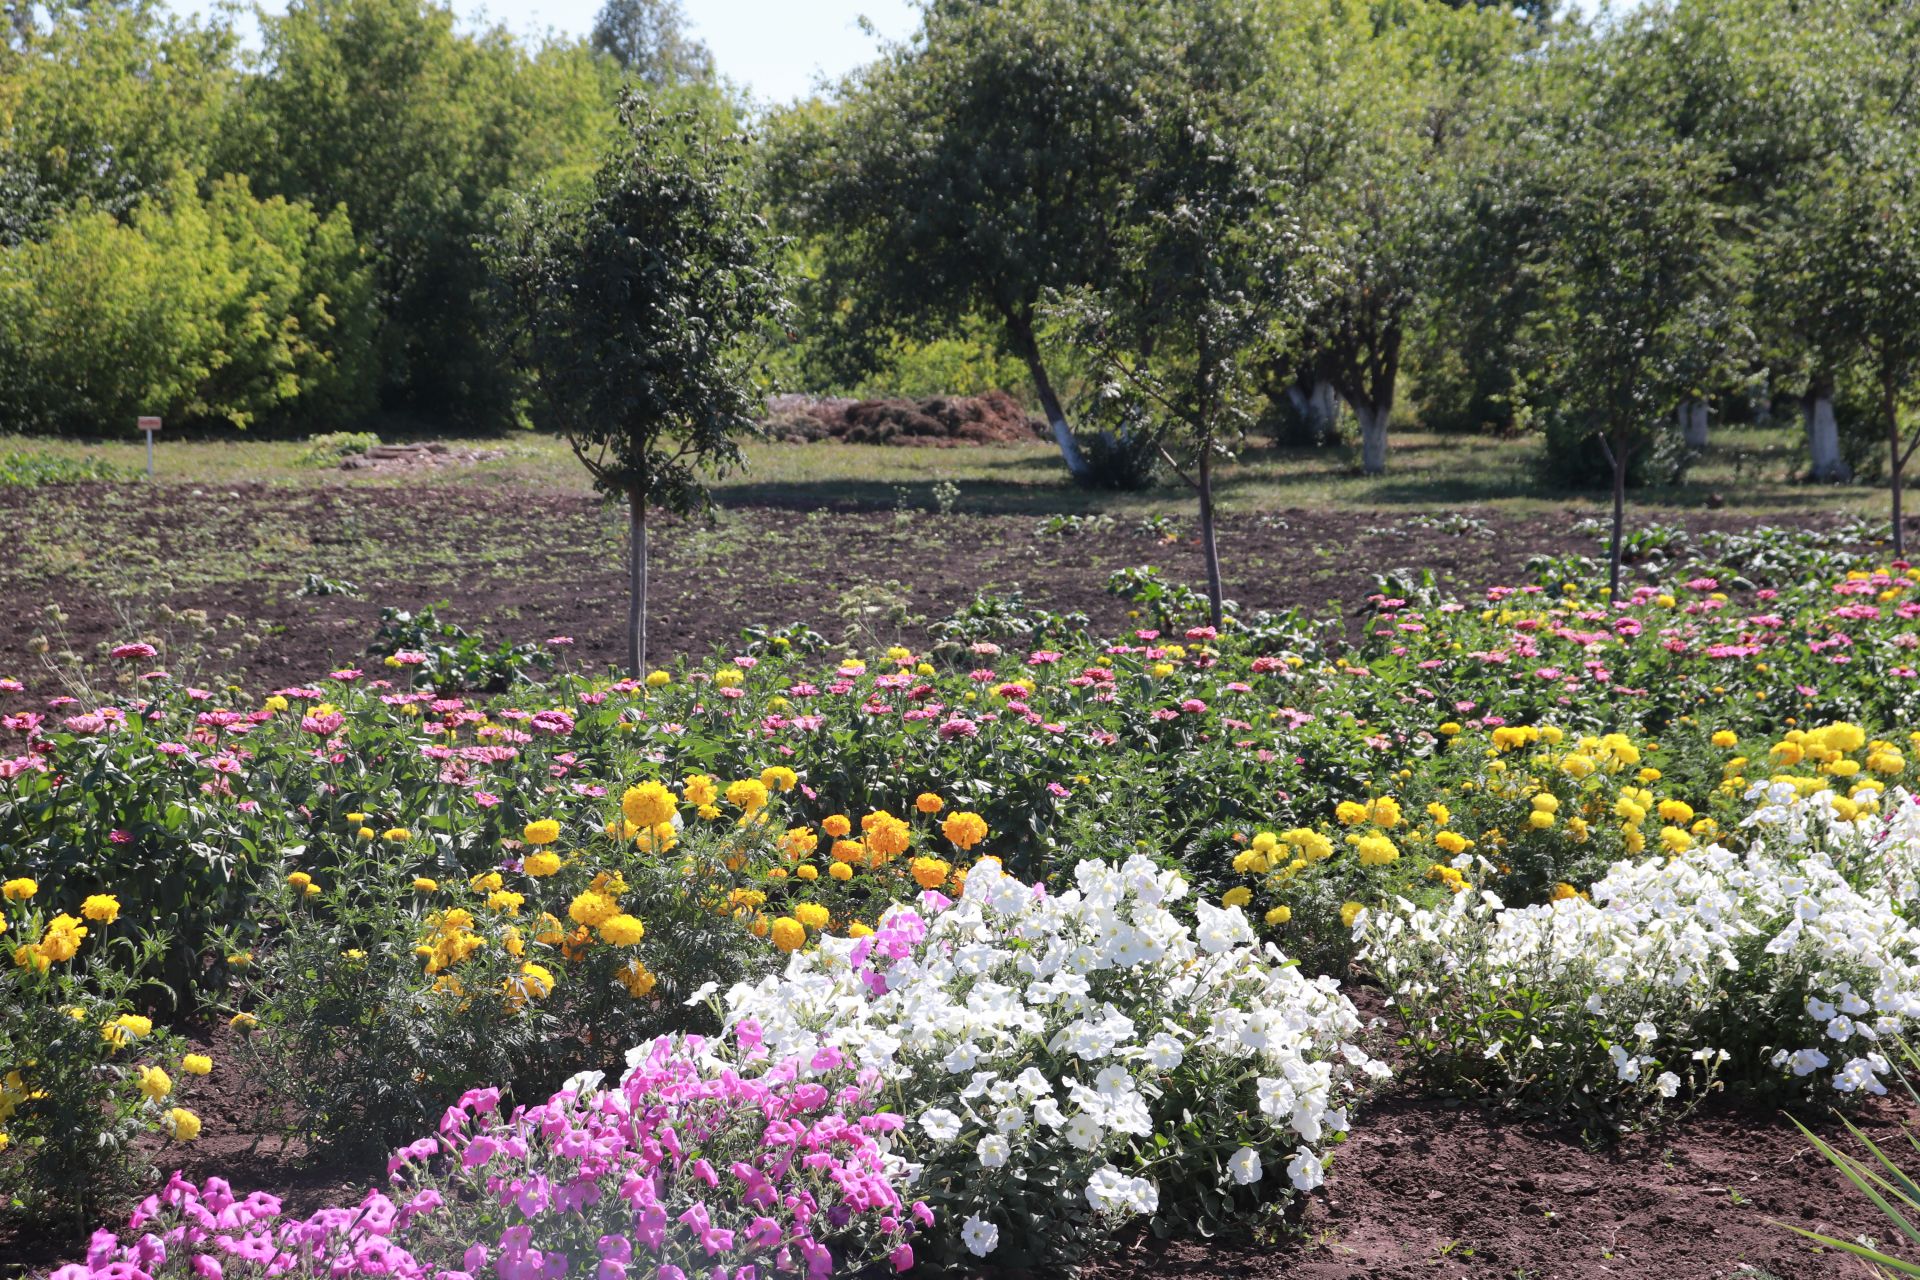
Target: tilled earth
(1424,1188)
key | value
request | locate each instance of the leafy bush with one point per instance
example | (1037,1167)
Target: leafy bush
(223,309)
(448,658)
(1070,1061)
(1672,973)
(27,469)
(328,449)
(83,1077)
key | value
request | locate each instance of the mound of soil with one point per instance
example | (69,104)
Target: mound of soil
(414,457)
(994,418)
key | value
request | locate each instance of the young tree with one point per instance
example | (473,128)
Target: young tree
(634,310)
(1637,287)
(1207,276)
(970,171)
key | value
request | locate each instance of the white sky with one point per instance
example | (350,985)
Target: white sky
(773,47)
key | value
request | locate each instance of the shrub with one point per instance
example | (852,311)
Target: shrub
(450,659)
(1071,1061)
(1674,971)
(27,469)
(83,1077)
(328,449)
(680,1170)
(225,309)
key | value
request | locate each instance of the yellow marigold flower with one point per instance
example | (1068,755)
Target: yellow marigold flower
(592,909)
(1563,891)
(637,978)
(1545,802)
(548,930)
(965,829)
(1451,729)
(367,833)
(299,879)
(859,930)
(798,842)
(1540,820)
(19,889)
(699,790)
(1678,812)
(533,982)
(243,1022)
(927,802)
(1451,841)
(1279,915)
(1349,813)
(1384,811)
(1675,839)
(126,1028)
(807,871)
(1577,765)
(789,934)
(648,805)
(836,825)
(1440,814)
(622,930)
(658,679)
(1161,670)
(930,873)
(749,794)
(885,834)
(101,907)
(541,864)
(486,882)
(396,835)
(155,1083)
(812,915)
(779,778)
(545,831)
(275,702)
(61,939)
(1844,768)
(506,900)
(425,884)
(1376,851)
(1725,738)
(357,819)
(657,839)
(1886,760)
(1238,896)
(182,1125)
(729,677)
(1348,911)
(840,871)
(196,1064)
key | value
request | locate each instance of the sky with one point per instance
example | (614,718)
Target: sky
(773,47)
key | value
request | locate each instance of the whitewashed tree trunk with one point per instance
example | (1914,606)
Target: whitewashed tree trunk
(1823,439)
(1373,439)
(1069,447)
(1693,423)
(1318,409)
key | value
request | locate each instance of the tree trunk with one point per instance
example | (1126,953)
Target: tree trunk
(1373,438)
(636,584)
(1897,460)
(1823,437)
(1049,402)
(1619,459)
(1323,411)
(1693,423)
(1209,546)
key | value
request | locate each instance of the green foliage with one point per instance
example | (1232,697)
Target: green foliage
(72,1112)
(392,978)
(1890,1189)
(27,469)
(328,448)
(222,308)
(445,657)
(649,39)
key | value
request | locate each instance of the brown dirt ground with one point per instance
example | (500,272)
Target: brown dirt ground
(1424,1188)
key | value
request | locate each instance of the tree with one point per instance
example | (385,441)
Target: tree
(632,312)
(1373,101)
(969,171)
(419,129)
(1858,255)
(649,39)
(1638,303)
(1207,274)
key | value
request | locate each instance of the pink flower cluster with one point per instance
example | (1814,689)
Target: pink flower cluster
(686,1169)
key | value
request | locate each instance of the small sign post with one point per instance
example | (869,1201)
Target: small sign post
(149,426)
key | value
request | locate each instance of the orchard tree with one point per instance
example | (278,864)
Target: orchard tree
(1859,256)
(1638,301)
(635,311)
(1207,276)
(969,171)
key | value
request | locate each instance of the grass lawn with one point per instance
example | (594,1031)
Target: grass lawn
(1752,470)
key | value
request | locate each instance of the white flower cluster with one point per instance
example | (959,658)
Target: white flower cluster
(1041,1040)
(1792,956)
